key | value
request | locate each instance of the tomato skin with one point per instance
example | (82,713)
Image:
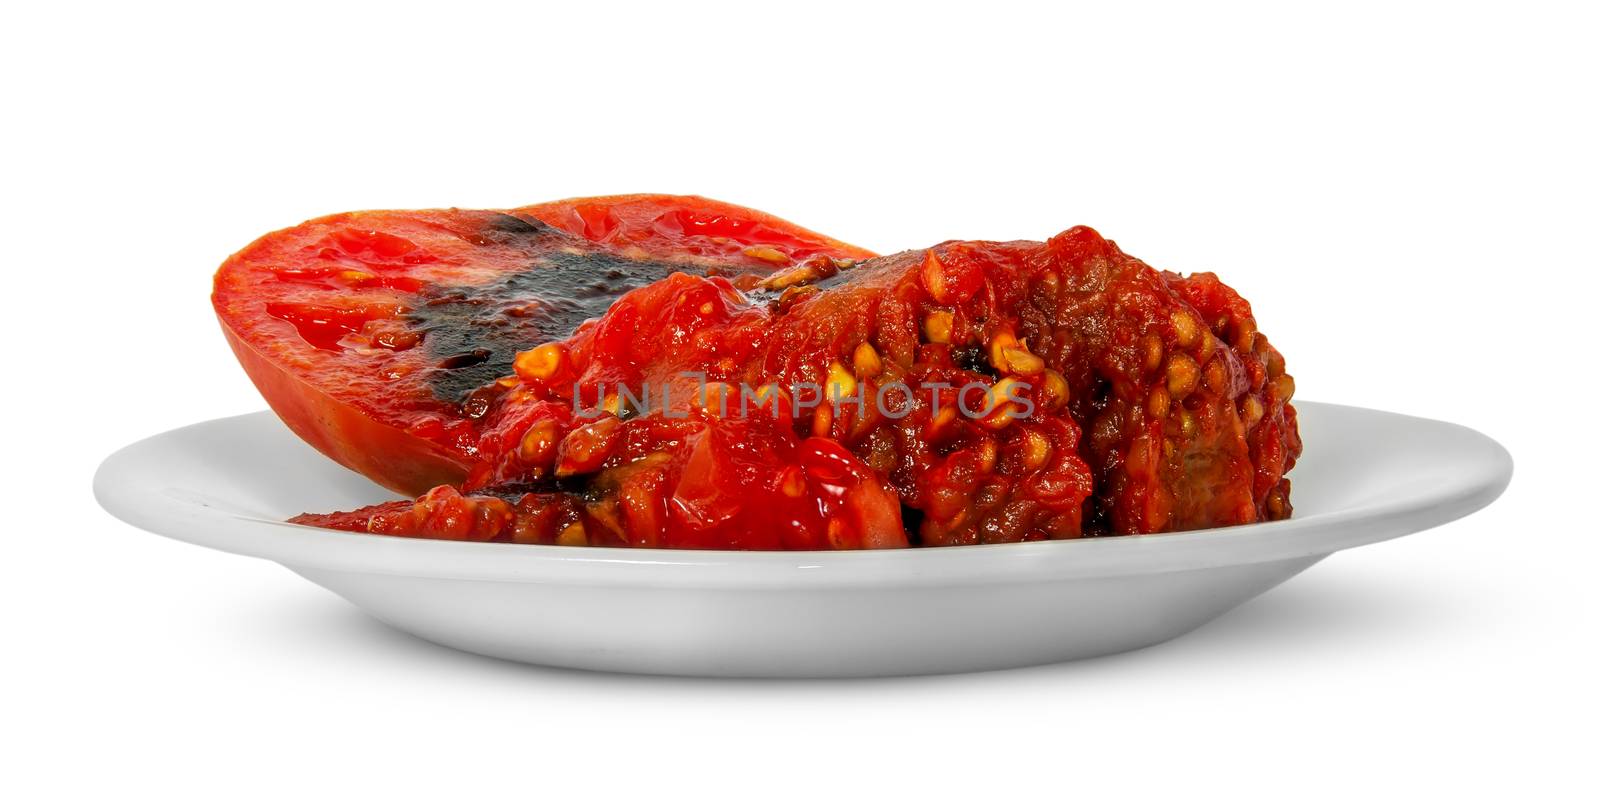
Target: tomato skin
(673,224)
(391,457)
(291,303)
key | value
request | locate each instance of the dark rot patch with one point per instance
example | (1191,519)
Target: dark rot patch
(490,323)
(378,336)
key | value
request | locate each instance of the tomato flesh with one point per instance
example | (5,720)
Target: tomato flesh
(378,336)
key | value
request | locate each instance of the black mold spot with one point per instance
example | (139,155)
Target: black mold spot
(511,224)
(467,360)
(973,359)
(911,518)
(476,331)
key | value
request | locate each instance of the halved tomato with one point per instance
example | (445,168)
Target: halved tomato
(379,336)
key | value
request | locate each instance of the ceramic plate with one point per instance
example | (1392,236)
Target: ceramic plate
(1366,476)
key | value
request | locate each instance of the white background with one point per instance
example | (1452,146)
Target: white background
(1407,193)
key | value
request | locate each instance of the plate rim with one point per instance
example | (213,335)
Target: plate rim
(330,550)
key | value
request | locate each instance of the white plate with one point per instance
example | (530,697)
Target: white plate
(1366,476)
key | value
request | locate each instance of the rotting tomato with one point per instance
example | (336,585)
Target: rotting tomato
(379,336)
(1183,404)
